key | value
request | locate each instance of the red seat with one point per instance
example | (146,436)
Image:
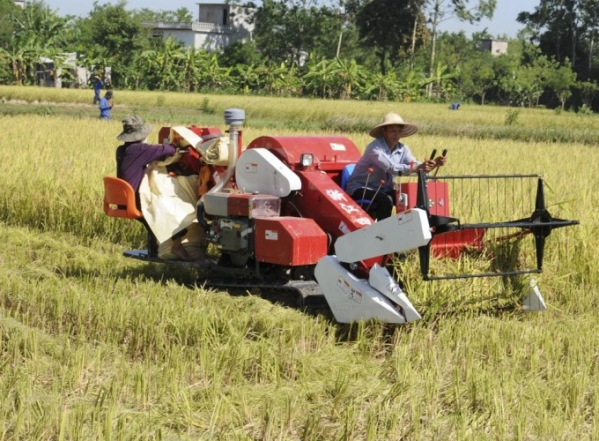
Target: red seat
(119,199)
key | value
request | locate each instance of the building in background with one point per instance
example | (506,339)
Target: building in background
(218,25)
(496,47)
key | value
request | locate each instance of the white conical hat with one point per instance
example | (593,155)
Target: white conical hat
(392,119)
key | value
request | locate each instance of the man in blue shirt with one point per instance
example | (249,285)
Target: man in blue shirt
(383,159)
(106,105)
(98,85)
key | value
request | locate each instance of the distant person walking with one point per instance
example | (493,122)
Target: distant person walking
(106,105)
(98,85)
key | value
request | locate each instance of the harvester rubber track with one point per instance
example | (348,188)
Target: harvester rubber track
(308,292)
(304,288)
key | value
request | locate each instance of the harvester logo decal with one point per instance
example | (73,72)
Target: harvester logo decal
(343,228)
(251,167)
(355,295)
(352,293)
(338,147)
(343,285)
(405,217)
(271,235)
(349,209)
(336,195)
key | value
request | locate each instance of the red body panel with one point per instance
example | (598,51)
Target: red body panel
(450,244)
(289,241)
(438,197)
(330,152)
(334,210)
(323,200)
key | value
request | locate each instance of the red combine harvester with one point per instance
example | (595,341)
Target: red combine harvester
(277,217)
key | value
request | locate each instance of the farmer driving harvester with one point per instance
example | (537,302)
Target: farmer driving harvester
(383,159)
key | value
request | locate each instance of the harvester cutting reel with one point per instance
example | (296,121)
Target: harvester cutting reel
(451,237)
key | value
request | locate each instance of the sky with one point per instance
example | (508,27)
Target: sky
(504,21)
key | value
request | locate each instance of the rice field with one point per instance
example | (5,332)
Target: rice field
(95,346)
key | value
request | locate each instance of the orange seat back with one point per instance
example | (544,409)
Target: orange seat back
(119,199)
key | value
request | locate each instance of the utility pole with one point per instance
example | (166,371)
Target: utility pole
(413,48)
(342,17)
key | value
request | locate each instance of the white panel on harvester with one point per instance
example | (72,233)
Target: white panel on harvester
(398,233)
(259,171)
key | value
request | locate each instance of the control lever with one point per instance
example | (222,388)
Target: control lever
(370,171)
(444,153)
(375,193)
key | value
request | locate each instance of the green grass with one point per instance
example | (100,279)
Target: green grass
(96,346)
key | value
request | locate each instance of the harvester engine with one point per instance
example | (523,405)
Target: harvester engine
(232,237)
(231,229)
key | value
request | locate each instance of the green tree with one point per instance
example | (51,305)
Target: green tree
(561,80)
(348,76)
(477,76)
(114,34)
(474,68)
(565,29)
(213,76)
(441,10)
(8,15)
(240,52)
(181,15)
(588,91)
(246,78)
(289,30)
(382,87)
(318,80)
(387,27)
(440,83)
(37,32)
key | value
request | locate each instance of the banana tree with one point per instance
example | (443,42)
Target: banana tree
(440,84)
(246,77)
(22,56)
(169,62)
(382,87)
(191,65)
(349,75)
(319,77)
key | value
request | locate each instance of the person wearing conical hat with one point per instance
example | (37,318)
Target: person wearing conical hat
(383,159)
(132,159)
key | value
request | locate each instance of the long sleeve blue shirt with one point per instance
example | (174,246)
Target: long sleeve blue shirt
(386,164)
(104,109)
(98,87)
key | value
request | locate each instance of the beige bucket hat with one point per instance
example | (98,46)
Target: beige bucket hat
(134,129)
(392,119)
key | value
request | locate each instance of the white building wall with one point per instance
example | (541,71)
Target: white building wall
(217,13)
(218,25)
(184,36)
(496,47)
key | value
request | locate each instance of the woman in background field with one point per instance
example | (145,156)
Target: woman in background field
(106,105)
